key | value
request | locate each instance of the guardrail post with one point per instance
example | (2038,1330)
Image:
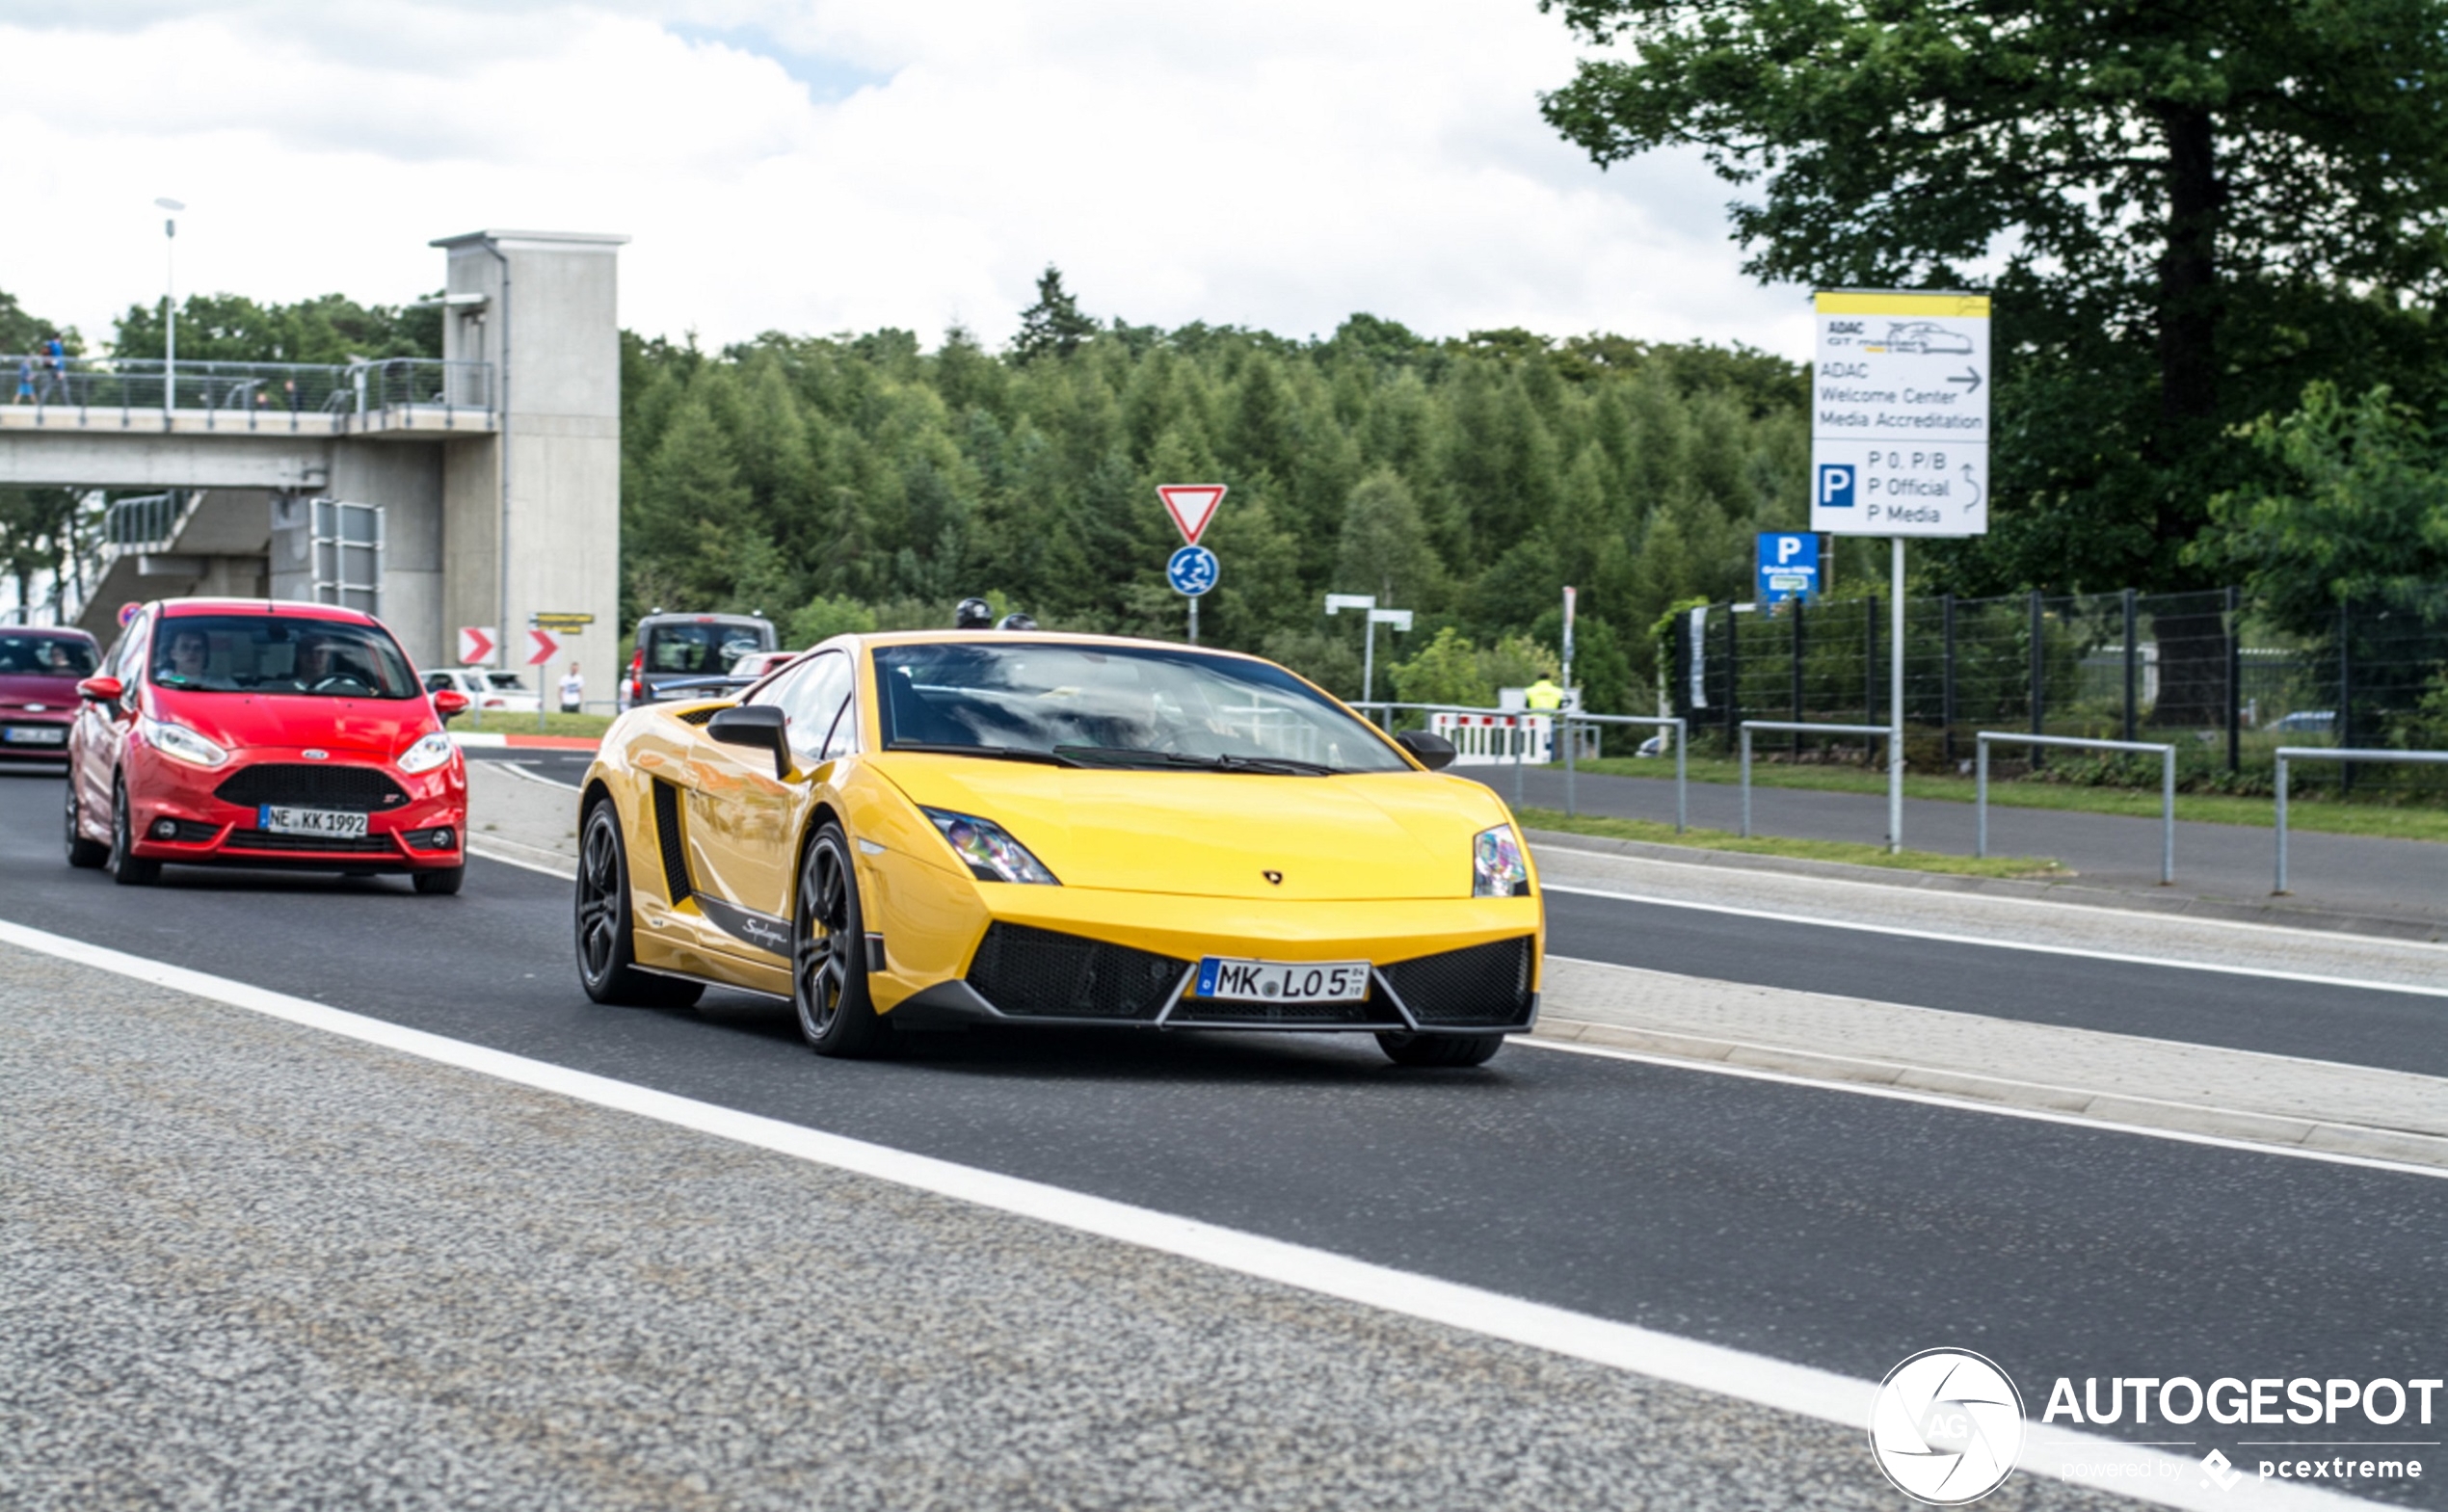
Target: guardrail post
(2280,889)
(2167,815)
(1566,720)
(1980,797)
(1681,792)
(1746,765)
(1521,740)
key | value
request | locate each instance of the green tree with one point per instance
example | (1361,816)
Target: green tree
(2359,511)
(2197,207)
(1054,326)
(1383,549)
(1448,670)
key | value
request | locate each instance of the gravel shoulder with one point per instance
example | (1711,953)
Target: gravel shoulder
(249,1264)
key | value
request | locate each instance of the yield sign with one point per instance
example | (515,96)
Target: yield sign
(1191,505)
(541,647)
(477,644)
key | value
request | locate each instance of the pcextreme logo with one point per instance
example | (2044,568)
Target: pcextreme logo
(1945,1426)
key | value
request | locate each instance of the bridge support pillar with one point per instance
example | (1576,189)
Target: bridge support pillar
(531,520)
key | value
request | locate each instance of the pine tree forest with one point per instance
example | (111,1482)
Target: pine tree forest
(859,481)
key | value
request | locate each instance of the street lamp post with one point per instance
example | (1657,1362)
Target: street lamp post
(170,308)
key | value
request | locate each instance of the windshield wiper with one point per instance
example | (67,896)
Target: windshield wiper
(1278,766)
(989,752)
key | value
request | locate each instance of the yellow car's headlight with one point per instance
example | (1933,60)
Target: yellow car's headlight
(178,742)
(989,854)
(1497,868)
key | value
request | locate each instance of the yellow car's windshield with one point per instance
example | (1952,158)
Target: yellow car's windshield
(1155,707)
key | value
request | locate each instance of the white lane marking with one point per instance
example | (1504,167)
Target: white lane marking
(526,769)
(567,873)
(1871,1089)
(2069,913)
(1777,1384)
(1941,936)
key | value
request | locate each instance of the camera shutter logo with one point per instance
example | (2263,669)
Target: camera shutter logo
(1945,1426)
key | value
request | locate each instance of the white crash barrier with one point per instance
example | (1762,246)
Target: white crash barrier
(1497,739)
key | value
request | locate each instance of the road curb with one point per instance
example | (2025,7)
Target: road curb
(2426,931)
(2268,1128)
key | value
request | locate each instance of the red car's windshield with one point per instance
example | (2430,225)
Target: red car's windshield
(279,653)
(45,657)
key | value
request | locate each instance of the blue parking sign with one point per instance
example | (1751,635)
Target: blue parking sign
(1836,485)
(1789,566)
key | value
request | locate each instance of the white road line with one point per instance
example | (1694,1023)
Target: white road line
(566,873)
(1867,1089)
(521,769)
(2065,911)
(1709,1368)
(1941,936)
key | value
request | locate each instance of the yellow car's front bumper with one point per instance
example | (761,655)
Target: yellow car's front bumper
(1008,953)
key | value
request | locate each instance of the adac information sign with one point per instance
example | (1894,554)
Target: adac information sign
(1900,414)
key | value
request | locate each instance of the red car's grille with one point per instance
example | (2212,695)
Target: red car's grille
(312,784)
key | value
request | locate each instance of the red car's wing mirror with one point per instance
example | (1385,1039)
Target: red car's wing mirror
(101,690)
(448,702)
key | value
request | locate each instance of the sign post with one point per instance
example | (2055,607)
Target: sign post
(1367,604)
(1900,444)
(543,645)
(1193,570)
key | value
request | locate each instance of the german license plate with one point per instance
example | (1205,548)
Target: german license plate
(37,735)
(327,823)
(1230,980)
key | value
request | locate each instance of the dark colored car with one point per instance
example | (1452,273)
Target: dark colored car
(691,655)
(260,733)
(40,670)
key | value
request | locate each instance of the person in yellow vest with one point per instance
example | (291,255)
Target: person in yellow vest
(1543,696)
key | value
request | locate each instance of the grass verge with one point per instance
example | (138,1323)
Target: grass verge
(2313,810)
(1848,851)
(497,723)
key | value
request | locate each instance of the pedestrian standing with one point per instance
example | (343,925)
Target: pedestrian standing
(573,690)
(25,380)
(55,360)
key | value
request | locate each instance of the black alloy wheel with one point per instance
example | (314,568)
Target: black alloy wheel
(607,963)
(82,852)
(1440,1049)
(829,953)
(127,868)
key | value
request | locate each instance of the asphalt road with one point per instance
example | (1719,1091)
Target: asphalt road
(1812,1225)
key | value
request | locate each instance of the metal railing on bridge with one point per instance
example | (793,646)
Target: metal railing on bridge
(254,396)
(146,522)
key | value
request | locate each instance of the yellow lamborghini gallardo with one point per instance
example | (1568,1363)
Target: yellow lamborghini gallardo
(937,829)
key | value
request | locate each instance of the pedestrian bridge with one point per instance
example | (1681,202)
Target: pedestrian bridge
(106,423)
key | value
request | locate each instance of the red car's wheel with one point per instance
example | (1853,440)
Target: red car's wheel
(82,852)
(127,868)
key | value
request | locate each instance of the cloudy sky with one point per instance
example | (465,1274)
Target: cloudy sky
(829,165)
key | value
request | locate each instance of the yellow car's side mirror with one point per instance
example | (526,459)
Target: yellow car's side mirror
(761,726)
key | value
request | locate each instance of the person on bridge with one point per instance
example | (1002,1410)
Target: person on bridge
(25,380)
(1543,697)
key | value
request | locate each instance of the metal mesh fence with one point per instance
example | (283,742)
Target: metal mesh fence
(2200,669)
